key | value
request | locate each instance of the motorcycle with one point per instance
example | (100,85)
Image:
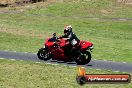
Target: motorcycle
(55,49)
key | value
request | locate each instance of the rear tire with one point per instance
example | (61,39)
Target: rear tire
(44,54)
(83,59)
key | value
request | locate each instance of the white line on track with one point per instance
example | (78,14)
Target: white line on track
(64,65)
(116,71)
(123,19)
(47,63)
(37,62)
(110,61)
(104,60)
(2,58)
(55,64)
(21,60)
(13,59)
(98,69)
(73,66)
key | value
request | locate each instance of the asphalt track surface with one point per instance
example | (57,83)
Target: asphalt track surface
(97,64)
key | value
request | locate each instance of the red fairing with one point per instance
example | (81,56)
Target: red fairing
(85,45)
(47,43)
(62,42)
(55,48)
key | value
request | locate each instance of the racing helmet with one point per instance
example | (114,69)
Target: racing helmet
(67,29)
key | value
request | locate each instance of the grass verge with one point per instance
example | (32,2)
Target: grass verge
(28,74)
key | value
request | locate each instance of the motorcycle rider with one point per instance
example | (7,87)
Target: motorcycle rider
(71,37)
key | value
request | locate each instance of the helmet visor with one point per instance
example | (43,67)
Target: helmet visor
(65,31)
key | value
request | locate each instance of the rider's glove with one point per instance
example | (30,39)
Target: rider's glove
(59,37)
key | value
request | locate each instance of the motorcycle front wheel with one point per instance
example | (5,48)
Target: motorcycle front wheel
(83,59)
(44,54)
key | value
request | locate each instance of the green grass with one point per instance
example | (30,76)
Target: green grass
(28,74)
(92,8)
(26,33)
(111,38)
(19,43)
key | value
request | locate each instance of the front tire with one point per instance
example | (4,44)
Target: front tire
(83,59)
(44,54)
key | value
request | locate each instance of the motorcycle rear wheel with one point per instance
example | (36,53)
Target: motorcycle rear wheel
(44,54)
(83,59)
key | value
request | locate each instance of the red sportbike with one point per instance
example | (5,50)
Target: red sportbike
(56,49)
